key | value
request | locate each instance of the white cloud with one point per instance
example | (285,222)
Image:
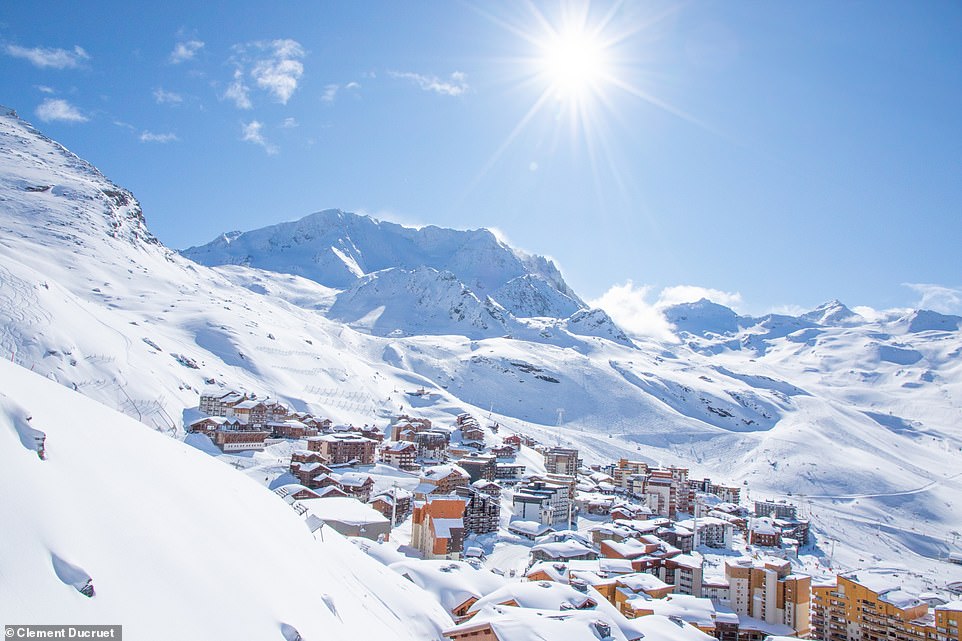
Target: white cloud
(938,298)
(149,136)
(692,293)
(456,86)
(164,97)
(628,306)
(45,89)
(330,91)
(56,109)
(48,57)
(353,85)
(185,50)
(280,72)
(289,123)
(274,66)
(252,132)
(239,92)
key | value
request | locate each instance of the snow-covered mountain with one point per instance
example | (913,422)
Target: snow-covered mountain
(861,417)
(339,249)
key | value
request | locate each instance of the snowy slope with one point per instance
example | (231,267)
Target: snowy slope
(863,417)
(176,544)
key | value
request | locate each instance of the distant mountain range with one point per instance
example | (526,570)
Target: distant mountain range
(340,314)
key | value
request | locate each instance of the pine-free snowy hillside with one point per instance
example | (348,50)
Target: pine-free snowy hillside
(863,418)
(122,525)
(337,249)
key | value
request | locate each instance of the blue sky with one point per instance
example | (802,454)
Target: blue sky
(775,155)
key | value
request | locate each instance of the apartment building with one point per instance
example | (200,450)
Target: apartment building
(868,606)
(766,589)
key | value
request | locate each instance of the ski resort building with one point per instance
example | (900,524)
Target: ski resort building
(561,460)
(402,455)
(767,590)
(341,449)
(873,606)
(437,527)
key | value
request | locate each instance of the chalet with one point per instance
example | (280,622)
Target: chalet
(295,492)
(307,473)
(443,479)
(454,584)
(567,550)
(306,456)
(356,484)
(529,529)
(631,512)
(367,431)
(406,423)
(431,443)
(504,452)
(491,488)
(393,501)
(513,440)
(437,527)
(210,424)
(348,516)
(548,571)
(528,594)
(402,455)
(504,623)
(341,449)
(291,429)
(230,434)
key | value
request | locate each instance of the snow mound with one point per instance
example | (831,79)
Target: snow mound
(122,524)
(397,302)
(925,320)
(702,318)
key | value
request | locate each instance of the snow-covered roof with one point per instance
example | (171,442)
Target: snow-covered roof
(660,628)
(694,560)
(525,624)
(556,570)
(443,471)
(695,610)
(900,599)
(951,606)
(642,582)
(529,528)
(344,510)
(566,549)
(353,479)
(541,595)
(443,527)
(452,583)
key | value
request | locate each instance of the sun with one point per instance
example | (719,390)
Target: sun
(573,62)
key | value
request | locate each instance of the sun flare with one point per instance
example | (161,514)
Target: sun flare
(573,62)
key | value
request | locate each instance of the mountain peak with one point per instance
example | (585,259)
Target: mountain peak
(337,248)
(833,312)
(40,177)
